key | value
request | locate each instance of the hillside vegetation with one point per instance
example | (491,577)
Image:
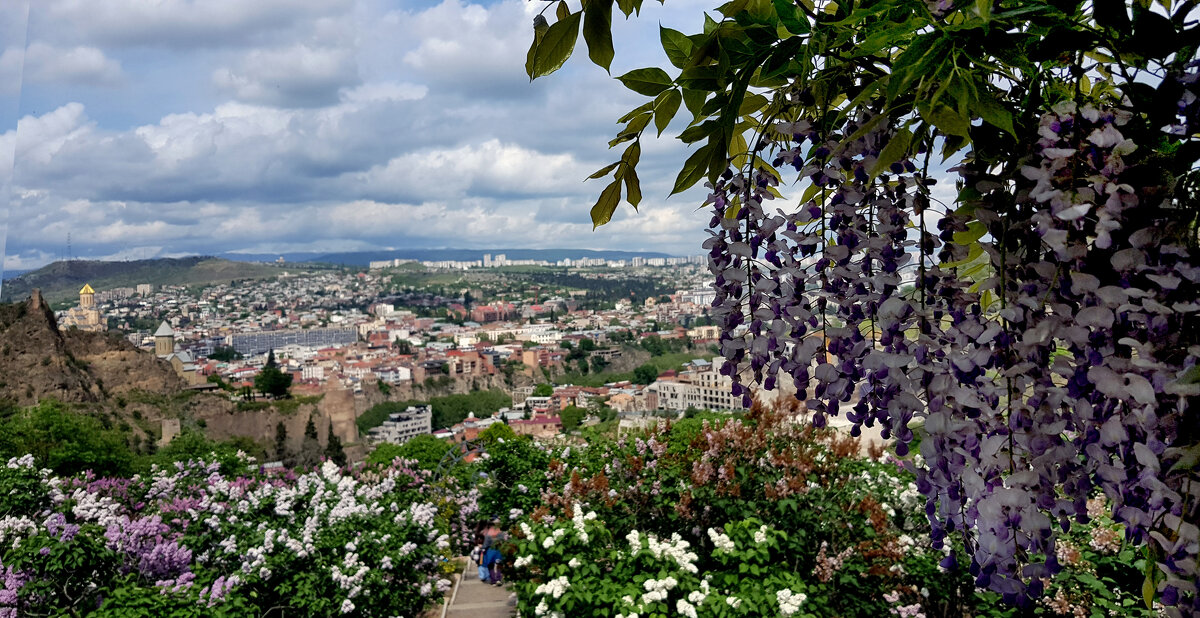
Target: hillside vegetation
(60,281)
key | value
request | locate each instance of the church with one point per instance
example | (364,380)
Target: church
(181,360)
(86,316)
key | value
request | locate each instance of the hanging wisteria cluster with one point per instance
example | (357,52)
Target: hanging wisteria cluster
(1044,334)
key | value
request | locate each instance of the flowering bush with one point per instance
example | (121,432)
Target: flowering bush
(192,541)
(750,508)
(575,567)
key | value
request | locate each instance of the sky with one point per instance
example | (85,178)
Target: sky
(158,128)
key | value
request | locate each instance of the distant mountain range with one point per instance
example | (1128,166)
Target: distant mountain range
(362,258)
(60,281)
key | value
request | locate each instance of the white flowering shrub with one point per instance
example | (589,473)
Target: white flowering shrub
(192,541)
(576,567)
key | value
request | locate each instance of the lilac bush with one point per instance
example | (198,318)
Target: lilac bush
(191,541)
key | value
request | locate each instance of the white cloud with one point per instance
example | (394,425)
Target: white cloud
(294,76)
(184,24)
(80,65)
(489,168)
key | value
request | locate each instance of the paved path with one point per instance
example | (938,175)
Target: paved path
(476,599)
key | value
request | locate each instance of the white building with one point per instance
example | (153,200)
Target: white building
(702,387)
(402,426)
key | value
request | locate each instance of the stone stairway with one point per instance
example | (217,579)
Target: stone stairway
(475,599)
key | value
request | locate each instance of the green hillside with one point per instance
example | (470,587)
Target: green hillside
(60,281)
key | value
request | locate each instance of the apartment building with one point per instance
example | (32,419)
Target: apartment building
(401,426)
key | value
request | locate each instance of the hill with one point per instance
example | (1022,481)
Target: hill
(60,281)
(38,361)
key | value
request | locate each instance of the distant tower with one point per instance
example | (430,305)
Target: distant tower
(164,340)
(87,297)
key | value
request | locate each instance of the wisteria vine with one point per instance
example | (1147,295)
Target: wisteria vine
(1043,334)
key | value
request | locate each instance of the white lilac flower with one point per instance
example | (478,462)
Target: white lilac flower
(760,536)
(574,563)
(347,606)
(685,609)
(522,561)
(548,543)
(555,587)
(721,540)
(733,602)
(790,602)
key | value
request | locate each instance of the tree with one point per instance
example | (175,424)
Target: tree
(543,390)
(1049,342)
(310,451)
(272,381)
(571,417)
(271,360)
(224,354)
(495,433)
(333,447)
(645,374)
(280,440)
(402,346)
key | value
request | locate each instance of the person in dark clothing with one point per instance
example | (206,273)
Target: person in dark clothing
(491,560)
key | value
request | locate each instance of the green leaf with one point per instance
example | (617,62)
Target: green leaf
(602,172)
(1149,589)
(602,212)
(994,113)
(665,110)
(694,100)
(644,107)
(638,123)
(896,149)
(698,132)
(738,150)
(555,47)
(693,169)
(947,120)
(628,6)
(752,103)
(597,31)
(562,11)
(790,17)
(632,155)
(677,45)
(633,187)
(649,81)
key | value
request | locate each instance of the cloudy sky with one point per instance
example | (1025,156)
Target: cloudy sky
(147,128)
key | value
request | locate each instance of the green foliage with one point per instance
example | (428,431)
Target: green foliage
(192,445)
(224,353)
(427,450)
(447,410)
(272,381)
(572,416)
(333,447)
(496,433)
(515,469)
(543,390)
(645,374)
(65,441)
